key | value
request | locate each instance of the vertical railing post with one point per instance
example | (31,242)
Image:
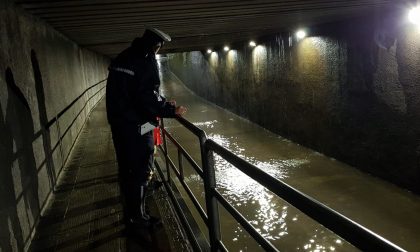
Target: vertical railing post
(165,148)
(209,187)
(57,123)
(180,164)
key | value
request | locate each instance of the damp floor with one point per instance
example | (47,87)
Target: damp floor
(85,211)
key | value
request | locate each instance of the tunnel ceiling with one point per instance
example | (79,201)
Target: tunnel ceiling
(108,26)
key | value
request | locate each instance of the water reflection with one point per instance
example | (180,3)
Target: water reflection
(277,221)
(273,218)
(337,185)
(315,246)
(352,193)
(268,214)
(208,124)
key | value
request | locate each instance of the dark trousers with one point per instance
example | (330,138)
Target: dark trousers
(135,163)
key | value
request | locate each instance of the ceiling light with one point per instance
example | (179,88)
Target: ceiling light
(300,34)
(414,15)
(226,48)
(252,43)
(209,51)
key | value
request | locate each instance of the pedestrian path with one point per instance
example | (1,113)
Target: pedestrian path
(85,213)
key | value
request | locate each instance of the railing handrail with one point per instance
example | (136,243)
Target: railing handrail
(48,125)
(52,121)
(63,111)
(346,228)
(194,129)
(349,230)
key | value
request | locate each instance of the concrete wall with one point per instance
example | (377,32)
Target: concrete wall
(350,90)
(41,73)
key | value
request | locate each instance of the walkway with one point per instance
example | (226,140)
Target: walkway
(85,213)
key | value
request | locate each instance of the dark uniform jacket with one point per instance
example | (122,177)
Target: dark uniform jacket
(132,94)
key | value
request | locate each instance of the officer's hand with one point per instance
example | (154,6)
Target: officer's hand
(180,110)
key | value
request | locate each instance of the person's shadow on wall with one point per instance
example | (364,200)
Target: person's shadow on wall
(43,119)
(19,121)
(9,222)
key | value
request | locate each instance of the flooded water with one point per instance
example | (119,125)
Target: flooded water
(378,205)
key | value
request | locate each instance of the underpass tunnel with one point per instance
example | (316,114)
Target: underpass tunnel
(340,78)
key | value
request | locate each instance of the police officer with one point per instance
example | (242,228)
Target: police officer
(133,102)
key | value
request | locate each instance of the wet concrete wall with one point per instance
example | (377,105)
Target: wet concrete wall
(349,90)
(41,73)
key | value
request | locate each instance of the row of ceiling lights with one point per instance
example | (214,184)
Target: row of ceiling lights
(299,34)
(413,16)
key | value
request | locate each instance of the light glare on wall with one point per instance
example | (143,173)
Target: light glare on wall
(226,48)
(414,15)
(300,34)
(252,43)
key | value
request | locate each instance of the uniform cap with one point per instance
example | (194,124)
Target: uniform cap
(165,37)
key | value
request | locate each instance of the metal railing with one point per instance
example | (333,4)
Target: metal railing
(349,230)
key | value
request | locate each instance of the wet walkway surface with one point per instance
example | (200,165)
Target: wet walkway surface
(376,204)
(85,213)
